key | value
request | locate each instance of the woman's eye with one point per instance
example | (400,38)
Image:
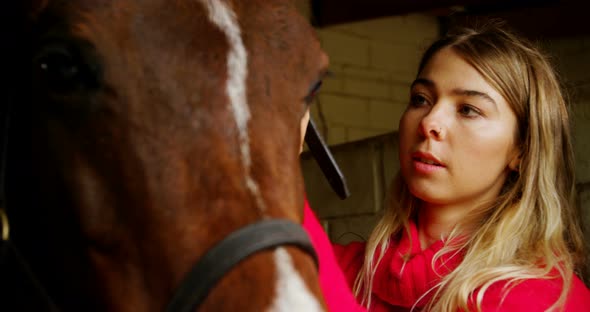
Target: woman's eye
(418,100)
(468,111)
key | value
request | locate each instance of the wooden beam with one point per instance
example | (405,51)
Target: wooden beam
(330,12)
(566,19)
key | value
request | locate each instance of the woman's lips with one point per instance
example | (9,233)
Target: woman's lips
(426,163)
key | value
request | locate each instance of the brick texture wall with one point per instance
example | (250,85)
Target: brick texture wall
(572,57)
(368,165)
(373,63)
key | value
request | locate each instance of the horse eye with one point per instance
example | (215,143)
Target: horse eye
(60,70)
(313,91)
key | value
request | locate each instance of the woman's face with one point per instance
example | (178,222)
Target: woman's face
(457,136)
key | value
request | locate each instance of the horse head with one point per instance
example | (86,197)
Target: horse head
(141,133)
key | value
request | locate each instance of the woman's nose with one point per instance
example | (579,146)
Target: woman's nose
(432,124)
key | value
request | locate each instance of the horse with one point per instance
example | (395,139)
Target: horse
(139,134)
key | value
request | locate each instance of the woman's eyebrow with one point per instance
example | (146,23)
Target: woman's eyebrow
(422,81)
(458,91)
(475,93)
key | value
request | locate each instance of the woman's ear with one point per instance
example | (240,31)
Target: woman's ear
(514,163)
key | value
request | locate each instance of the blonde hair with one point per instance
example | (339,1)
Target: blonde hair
(531,230)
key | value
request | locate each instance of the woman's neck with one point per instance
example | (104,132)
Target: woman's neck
(436,222)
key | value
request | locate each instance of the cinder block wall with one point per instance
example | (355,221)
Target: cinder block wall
(369,166)
(572,57)
(373,64)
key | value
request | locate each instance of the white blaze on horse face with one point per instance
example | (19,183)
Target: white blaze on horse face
(237,71)
(292,293)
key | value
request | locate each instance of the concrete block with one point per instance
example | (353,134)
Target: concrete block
(381,29)
(356,134)
(336,135)
(576,68)
(345,48)
(581,96)
(349,229)
(367,88)
(358,162)
(399,58)
(414,28)
(563,47)
(582,153)
(390,159)
(364,73)
(332,84)
(400,91)
(343,110)
(369,166)
(314,111)
(385,114)
(403,80)
(581,121)
(365,82)
(318,119)
(584,200)
(420,30)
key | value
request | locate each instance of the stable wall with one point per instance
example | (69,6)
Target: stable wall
(373,64)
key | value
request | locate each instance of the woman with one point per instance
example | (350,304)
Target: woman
(482,216)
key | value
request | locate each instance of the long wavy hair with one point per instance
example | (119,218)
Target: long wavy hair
(530,230)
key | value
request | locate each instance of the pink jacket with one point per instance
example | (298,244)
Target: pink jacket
(337,294)
(399,284)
